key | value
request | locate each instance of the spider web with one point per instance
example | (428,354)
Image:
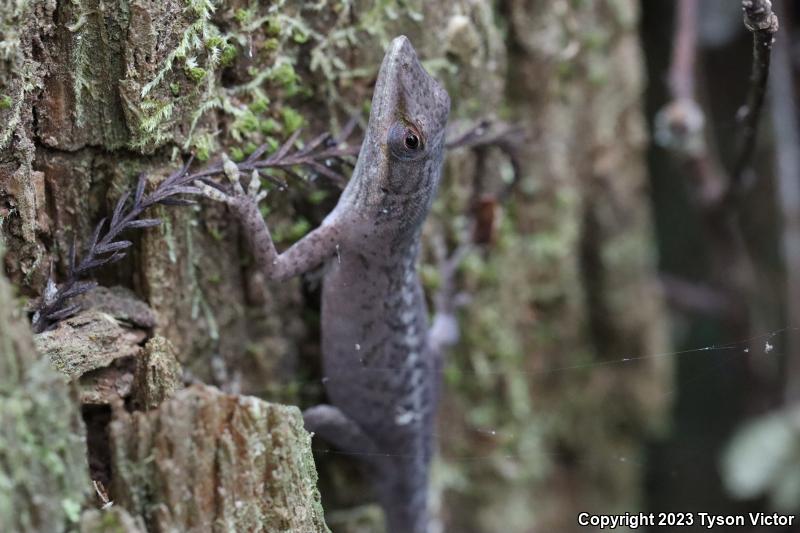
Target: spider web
(768,344)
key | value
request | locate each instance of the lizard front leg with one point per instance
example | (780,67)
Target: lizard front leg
(307,253)
(334,426)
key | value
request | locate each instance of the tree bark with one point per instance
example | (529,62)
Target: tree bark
(572,290)
(101,91)
(44,479)
(207,461)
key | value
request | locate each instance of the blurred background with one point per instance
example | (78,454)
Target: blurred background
(732,443)
(631,327)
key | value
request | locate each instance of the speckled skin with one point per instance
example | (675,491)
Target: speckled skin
(381,365)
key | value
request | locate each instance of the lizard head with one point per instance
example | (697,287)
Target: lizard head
(398,169)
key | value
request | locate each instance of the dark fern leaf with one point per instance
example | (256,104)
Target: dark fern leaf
(137,199)
(63,313)
(176,201)
(96,234)
(258,152)
(143,223)
(116,256)
(112,247)
(78,288)
(118,208)
(286,146)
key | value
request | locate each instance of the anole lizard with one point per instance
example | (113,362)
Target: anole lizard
(380,357)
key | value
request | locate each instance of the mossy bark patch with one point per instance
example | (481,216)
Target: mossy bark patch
(43,471)
(209,461)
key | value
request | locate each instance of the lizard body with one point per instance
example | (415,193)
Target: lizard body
(381,363)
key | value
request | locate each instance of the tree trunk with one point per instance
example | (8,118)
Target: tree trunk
(95,93)
(44,479)
(573,289)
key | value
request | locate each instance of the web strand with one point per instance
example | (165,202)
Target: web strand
(757,345)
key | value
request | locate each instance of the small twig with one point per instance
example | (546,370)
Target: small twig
(787,162)
(102,494)
(684,51)
(763,24)
(508,138)
(680,126)
(479,227)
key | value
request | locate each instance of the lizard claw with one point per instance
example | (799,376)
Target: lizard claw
(212,193)
(232,172)
(254,188)
(238,196)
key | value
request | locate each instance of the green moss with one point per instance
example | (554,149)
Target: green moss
(300,37)
(318,196)
(196,74)
(215,41)
(271,44)
(273,143)
(293,231)
(269,86)
(5,102)
(228,55)
(44,476)
(284,74)
(259,105)
(292,120)
(269,126)
(203,146)
(243,16)
(237,154)
(249,122)
(154,120)
(596,39)
(272,26)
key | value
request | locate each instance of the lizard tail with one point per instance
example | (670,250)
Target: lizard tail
(407,513)
(404,499)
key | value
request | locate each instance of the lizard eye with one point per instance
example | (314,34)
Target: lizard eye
(405,141)
(411,140)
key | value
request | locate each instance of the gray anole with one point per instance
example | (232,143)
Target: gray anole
(381,357)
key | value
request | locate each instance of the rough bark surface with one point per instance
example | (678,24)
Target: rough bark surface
(208,461)
(570,288)
(158,374)
(43,472)
(88,341)
(101,91)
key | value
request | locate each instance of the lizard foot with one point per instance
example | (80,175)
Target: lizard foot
(335,427)
(238,197)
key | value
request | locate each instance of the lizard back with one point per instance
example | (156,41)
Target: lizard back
(379,369)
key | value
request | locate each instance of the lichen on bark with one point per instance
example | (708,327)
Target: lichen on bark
(44,478)
(208,461)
